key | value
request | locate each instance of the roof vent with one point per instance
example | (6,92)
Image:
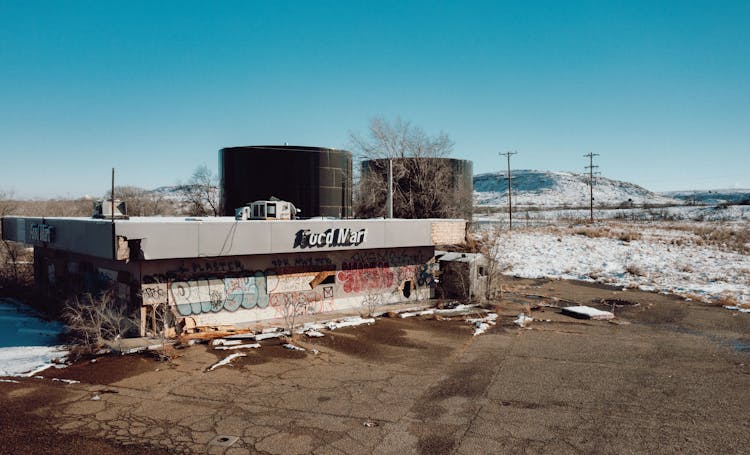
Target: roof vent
(103,209)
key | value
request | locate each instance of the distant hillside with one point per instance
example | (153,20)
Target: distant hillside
(556,189)
(712,197)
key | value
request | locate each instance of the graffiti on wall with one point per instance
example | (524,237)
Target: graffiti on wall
(212,286)
(362,280)
(303,302)
(210,295)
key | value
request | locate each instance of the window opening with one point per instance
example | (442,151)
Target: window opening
(407,288)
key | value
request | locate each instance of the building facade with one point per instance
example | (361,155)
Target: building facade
(224,273)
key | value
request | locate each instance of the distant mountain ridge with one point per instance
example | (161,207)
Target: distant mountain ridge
(557,189)
(721,196)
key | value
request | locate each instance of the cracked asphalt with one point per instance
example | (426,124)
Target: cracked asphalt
(670,376)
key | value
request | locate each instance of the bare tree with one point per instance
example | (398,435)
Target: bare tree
(201,193)
(292,307)
(425,184)
(370,303)
(12,252)
(8,204)
(490,246)
(400,140)
(142,202)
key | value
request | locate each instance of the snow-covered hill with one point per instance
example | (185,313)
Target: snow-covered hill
(731,196)
(558,189)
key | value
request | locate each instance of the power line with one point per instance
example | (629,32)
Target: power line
(591,168)
(510,202)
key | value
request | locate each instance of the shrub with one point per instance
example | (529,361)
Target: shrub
(95,321)
(634,270)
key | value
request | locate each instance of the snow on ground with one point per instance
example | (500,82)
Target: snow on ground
(522,217)
(655,262)
(27,344)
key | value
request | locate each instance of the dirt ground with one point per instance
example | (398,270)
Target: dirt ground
(667,376)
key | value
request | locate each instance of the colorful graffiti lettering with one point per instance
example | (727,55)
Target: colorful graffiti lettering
(361,280)
(212,296)
(246,292)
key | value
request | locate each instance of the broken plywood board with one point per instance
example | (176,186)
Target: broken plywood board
(587,312)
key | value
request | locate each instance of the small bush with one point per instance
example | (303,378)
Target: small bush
(629,236)
(634,270)
(97,321)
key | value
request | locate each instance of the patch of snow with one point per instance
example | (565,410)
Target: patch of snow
(312,326)
(226,360)
(670,263)
(313,334)
(587,311)
(481,325)
(349,322)
(28,344)
(460,308)
(66,381)
(293,347)
(223,342)
(523,321)
(737,308)
(266,336)
(411,314)
(238,346)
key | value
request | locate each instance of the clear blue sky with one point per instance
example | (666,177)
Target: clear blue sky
(661,89)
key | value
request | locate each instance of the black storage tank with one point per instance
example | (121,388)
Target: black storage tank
(317,180)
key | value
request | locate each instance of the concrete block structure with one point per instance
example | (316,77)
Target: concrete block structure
(224,273)
(462,275)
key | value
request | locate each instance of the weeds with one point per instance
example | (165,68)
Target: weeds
(370,303)
(95,321)
(634,270)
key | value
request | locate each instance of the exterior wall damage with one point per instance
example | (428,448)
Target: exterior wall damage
(222,273)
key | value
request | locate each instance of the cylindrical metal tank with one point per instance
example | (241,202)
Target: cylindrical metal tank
(317,180)
(459,186)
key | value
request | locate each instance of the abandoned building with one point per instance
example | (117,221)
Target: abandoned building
(463,276)
(223,272)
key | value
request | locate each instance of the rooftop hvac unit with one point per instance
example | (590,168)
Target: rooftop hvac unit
(103,209)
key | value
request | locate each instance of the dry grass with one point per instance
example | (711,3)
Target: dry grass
(725,299)
(724,236)
(634,270)
(694,297)
(622,234)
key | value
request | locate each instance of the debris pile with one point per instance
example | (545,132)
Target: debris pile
(481,325)
(523,321)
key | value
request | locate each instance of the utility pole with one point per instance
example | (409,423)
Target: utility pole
(510,199)
(591,168)
(389,199)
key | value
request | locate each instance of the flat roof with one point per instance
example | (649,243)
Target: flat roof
(188,237)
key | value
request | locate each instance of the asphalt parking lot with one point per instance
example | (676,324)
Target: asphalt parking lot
(666,376)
